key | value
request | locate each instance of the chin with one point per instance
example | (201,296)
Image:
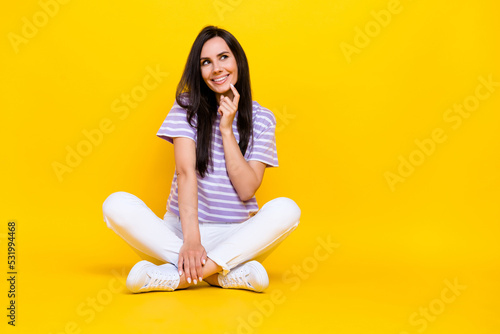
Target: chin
(221,90)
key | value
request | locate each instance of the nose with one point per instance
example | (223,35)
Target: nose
(217,67)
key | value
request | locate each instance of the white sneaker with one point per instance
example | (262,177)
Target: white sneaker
(249,276)
(146,276)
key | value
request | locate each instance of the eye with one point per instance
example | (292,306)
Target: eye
(204,62)
(224,56)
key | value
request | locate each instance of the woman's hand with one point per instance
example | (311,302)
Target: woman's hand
(192,256)
(227,109)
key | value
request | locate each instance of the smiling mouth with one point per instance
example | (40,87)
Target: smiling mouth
(220,80)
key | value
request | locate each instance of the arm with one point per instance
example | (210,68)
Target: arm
(246,177)
(192,255)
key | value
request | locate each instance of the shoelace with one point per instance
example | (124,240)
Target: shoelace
(160,279)
(237,278)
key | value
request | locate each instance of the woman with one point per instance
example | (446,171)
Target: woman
(213,229)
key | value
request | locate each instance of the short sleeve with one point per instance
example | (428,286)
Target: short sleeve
(177,125)
(264,139)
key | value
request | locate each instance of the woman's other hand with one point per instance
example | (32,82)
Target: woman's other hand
(192,256)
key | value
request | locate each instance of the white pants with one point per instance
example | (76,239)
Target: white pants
(227,244)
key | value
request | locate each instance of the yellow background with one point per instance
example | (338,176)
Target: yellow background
(343,122)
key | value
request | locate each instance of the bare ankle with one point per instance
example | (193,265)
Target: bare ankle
(213,279)
(183,284)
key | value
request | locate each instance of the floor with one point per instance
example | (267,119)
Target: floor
(316,285)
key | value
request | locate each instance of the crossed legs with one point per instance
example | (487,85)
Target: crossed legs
(226,246)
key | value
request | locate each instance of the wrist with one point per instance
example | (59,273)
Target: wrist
(191,241)
(227,133)
(192,238)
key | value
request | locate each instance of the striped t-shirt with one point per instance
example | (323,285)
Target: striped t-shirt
(217,198)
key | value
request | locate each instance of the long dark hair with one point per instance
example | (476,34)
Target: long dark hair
(198,99)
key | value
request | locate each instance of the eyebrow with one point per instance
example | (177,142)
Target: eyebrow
(202,58)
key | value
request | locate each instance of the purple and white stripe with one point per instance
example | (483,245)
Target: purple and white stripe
(217,198)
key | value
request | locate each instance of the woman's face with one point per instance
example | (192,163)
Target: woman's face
(218,65)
